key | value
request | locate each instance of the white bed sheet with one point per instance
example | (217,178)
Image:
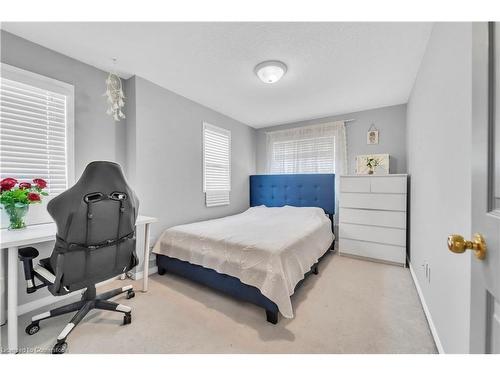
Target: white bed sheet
(269,248)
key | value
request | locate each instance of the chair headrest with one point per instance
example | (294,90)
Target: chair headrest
(101,184)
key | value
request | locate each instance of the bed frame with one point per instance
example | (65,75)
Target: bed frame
(301,190)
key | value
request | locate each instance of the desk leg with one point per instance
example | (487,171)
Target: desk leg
(3,287)
(12,300)
(145,275)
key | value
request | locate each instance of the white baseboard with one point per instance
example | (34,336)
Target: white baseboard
(427,313)
(49,300)
(139,275)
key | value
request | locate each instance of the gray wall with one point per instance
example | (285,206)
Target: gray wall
(164,138)
(439,153)
(391,122)
(97,136)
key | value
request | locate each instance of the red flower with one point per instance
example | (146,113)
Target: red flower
(25,185)
(34,197)
(7,183)
(42,184)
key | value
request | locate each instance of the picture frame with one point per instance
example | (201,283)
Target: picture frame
(372,137)
(381,169)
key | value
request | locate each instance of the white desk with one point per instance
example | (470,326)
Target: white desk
(12,240)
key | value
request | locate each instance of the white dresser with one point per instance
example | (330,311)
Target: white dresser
(372,217)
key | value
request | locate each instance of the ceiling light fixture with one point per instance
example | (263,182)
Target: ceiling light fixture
(270,71)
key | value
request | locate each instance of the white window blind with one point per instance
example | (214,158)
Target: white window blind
(216,165)
(313,155)
(33,134)
(309,149)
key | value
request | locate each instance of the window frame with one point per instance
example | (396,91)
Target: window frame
(50,84)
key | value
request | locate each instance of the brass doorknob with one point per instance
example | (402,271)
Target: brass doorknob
(457,244)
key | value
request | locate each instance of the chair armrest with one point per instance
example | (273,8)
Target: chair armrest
(26,255)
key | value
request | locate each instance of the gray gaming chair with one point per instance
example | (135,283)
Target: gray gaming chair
(95,241)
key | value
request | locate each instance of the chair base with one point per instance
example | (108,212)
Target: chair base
(88,302)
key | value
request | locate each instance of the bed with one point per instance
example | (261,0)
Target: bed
(263,254)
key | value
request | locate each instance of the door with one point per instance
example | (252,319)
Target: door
(485,274)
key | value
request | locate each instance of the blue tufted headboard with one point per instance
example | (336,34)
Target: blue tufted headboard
(301,190)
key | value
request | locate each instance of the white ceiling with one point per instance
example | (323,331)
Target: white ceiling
(333,68)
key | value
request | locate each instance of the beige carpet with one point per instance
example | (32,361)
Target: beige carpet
(352,306)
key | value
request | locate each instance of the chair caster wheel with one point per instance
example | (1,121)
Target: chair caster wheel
(127,319)
(161,270)
(130,294)
(32,329)
(60,347)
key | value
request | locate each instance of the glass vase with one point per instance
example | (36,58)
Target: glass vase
(17,214)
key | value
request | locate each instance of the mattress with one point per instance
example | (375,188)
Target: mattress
(271,248)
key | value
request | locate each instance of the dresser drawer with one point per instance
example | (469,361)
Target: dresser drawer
(394,202)
(390,236)
(388,253)
(388,184)
(394,219)
(355,184)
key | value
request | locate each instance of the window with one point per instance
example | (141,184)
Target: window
(216,165)
(313,155)
(36,128)
(309,149)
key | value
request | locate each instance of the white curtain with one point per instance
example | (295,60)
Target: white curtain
(318,148)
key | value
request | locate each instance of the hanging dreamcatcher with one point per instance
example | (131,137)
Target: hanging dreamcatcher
(115,96)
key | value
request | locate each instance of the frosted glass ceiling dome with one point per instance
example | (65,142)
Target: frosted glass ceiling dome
(270,71)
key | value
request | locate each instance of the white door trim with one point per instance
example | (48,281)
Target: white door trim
(427,312)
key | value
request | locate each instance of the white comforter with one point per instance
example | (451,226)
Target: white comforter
(269,248)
